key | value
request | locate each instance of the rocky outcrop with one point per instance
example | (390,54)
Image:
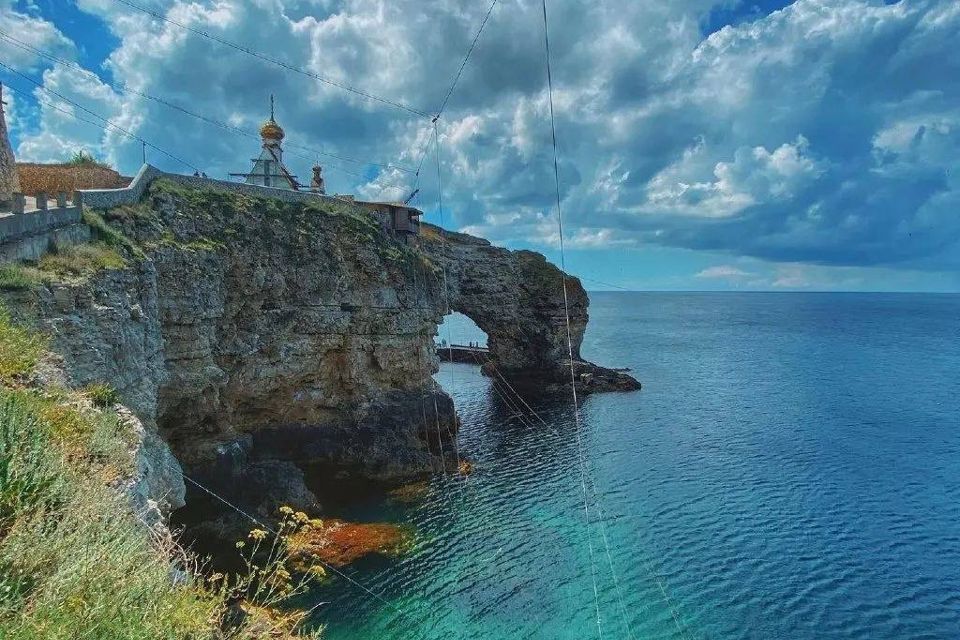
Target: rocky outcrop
(267,342)
(9,180)
(517,299)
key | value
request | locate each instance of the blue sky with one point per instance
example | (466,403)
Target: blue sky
(705,144)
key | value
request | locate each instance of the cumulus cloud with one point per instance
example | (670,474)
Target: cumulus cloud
(33,31)
(722,272)
(823,133)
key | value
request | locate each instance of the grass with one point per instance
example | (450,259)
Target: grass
(80,260)
(109,236)
(75,560)
(20,350)
(17,277)
(102,394)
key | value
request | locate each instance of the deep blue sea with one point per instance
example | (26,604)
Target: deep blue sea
(791,470)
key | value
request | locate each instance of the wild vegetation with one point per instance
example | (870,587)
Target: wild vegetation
(75,560)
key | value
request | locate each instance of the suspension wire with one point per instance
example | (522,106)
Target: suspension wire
(105,125)
(601,515)
(453,86)
(274,61)
(446,286)
(606,284)
(463,64)
(566,312)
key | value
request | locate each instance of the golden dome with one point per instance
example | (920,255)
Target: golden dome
(271,130)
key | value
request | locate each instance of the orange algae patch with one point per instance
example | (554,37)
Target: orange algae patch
(412,492)
(339,543)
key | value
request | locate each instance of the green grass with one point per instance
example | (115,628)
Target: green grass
(80,260)
(17,277)
(109,235)
(102,394)
(75,560)
(20,350)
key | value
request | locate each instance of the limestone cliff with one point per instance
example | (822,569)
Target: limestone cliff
(261,340)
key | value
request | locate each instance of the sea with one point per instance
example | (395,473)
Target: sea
(790,470)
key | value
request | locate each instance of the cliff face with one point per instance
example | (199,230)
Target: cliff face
(261,340)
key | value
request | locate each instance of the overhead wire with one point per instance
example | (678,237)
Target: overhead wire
(566,311)
(104,124)
(274,61)
(473,45)
(446,286)
(453,86)
(126,88)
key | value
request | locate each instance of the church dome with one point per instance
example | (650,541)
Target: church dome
(270,130)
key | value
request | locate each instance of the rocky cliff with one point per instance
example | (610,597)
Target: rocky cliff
(262,340)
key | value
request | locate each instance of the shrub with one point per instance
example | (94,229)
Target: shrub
(53,178)
(102,394)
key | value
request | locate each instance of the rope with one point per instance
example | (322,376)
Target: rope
(274,61)
(566,312)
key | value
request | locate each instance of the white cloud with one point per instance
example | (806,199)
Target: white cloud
(723,272)
(825,132)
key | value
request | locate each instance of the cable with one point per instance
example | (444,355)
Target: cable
(463,64)
(106,123)
(566,312)
(453,86)
(125,88)
(446,286)
(606,284)
(274,61)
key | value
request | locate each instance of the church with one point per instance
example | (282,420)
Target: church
(268,168)
(397,218)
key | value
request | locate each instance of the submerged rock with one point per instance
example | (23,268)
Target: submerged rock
(338,543)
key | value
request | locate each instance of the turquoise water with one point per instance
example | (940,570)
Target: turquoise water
(790,470)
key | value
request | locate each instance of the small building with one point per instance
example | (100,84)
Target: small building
(9,178)
(268,169)
(398,218)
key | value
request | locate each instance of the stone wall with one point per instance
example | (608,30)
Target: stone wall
(27,236)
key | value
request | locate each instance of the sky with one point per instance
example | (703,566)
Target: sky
(703,144)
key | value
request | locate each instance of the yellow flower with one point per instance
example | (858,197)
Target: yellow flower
(241,544)
(301,517)
(285,510)
(258,534)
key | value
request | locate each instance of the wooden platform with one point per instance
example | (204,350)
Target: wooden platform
(463,353)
